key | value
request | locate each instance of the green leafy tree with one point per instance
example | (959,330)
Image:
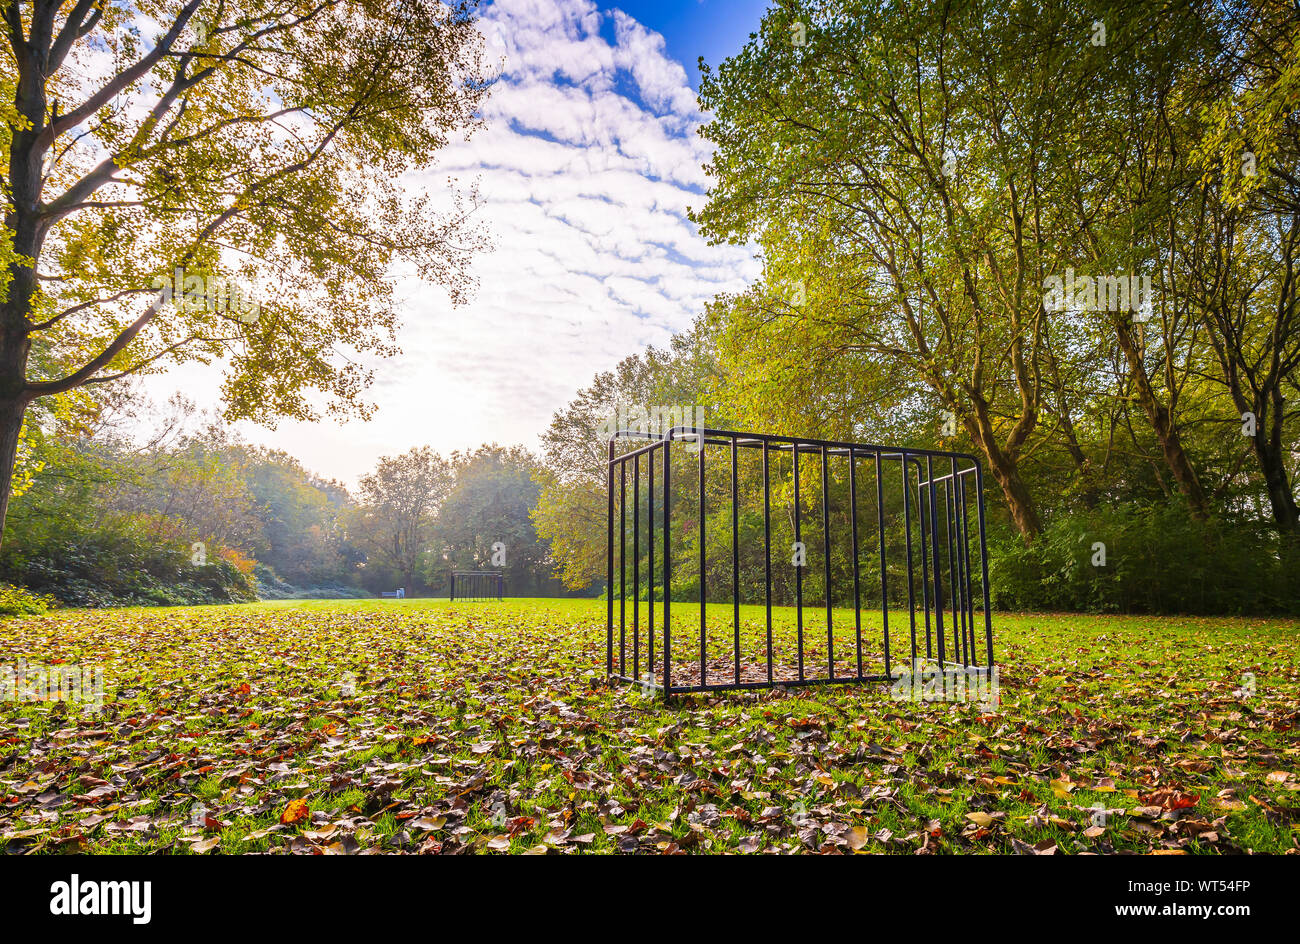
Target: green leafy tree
(229,189)
(301,520)
(571,509)
(393,523)
(485,522)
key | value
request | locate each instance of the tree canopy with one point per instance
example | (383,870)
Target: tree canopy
(223,181)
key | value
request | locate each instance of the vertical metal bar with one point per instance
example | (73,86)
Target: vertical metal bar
(650,568)
(826,551)
(703,572)
(798,571)
(954,581)
(968,604)
(668,573)
(622,566)
(767,557)
(735,557)
(907,523)
(857,596)
(966,575)
(925,561)
(951,599)
(984,567)
(934,549)
(636,566)
(959,536)
(609,567)
(884,575)
(452,591)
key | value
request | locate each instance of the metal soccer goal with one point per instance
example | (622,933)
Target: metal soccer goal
(477,585)
(711,517)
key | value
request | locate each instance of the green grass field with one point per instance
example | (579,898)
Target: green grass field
(423,726)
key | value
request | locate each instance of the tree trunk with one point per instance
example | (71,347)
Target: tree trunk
(1280,495)
(1176,458)
(1161,420)
(11,424)
(1272,462)
(1005,469)
(1006,472)
(1088,490)
(1019,503)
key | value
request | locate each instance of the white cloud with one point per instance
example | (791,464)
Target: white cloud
(586,168)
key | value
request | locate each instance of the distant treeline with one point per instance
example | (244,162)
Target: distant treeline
(186,517)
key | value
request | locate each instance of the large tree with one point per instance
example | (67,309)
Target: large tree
(905,174)
(485,523)
(917,174)
(394,520)
(1244,263)
(222,180)
(656,388)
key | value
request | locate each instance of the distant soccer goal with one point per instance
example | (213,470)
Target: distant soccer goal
(477,585)
(856,538)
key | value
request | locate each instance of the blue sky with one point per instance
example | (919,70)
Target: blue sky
(713,29)
(586,167)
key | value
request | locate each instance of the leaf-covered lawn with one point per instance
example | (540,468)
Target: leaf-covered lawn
(422,726)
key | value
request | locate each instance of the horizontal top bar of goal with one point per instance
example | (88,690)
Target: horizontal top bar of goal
(724,437)
(477,573)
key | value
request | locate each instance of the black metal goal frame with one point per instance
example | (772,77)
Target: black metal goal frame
(941,496)
(478,585)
